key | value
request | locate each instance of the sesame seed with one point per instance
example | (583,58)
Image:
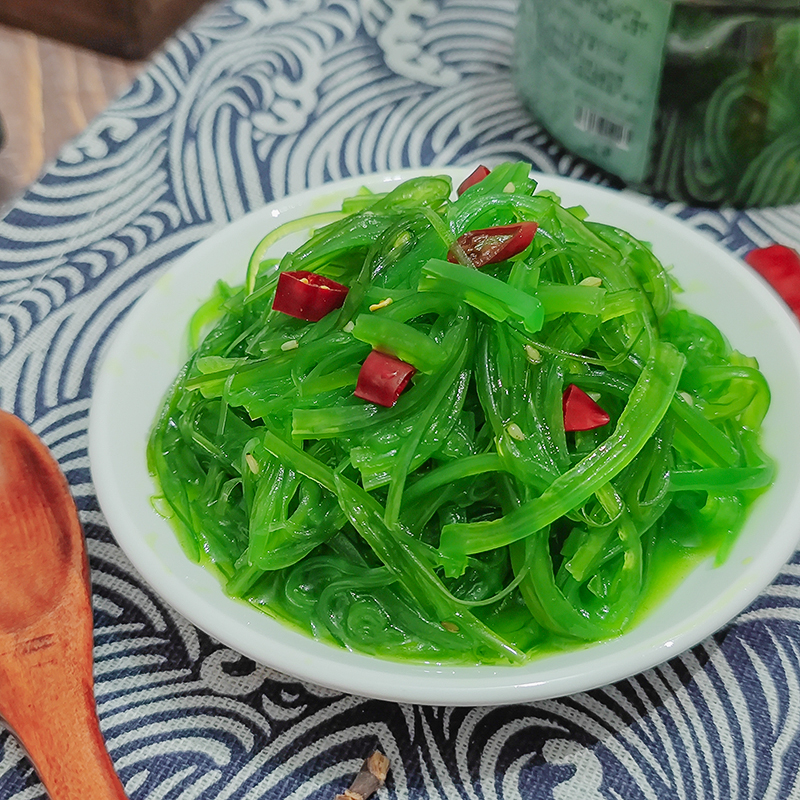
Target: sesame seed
(252,463)
(592,280)
(533,355)
(509,188)
(687,397)
(450,626)
(292,344)
(383,303)
(515,432)
(349,327)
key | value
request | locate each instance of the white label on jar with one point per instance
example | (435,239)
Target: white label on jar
(590,71)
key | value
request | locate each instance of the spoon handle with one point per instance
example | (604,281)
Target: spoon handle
(52,710)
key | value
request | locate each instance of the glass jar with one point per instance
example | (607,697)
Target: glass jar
(694,100)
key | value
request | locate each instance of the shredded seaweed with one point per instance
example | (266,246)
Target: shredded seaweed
(462,525)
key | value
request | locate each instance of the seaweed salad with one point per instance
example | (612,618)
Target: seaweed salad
(457,427)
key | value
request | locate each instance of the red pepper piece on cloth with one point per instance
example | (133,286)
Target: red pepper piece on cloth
(475,177)
(780,267)
(491,245)
(581,413)
(307,295)
(382,378)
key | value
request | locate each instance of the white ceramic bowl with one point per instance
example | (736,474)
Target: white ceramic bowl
(150,347)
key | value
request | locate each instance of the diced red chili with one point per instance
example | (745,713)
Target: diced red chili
(307,295)
(382,378)
(780,266)
(491,245)
(475,177)
(581,413)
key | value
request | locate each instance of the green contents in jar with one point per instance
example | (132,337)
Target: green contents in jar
(728,129)
(464,523)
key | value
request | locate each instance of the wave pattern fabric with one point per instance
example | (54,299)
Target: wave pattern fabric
(255,100)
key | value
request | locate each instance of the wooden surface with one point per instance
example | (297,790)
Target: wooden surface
(49,92)
(127,28)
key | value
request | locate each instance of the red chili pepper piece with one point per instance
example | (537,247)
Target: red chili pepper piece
(581,413)
(307,295)
(475,177)
(490,245)
(382,378)
(780,266)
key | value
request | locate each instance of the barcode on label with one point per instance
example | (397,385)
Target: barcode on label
(595,124)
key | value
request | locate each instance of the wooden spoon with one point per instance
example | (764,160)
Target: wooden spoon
(46,683)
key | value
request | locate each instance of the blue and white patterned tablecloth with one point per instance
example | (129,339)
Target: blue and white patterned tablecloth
(257,99)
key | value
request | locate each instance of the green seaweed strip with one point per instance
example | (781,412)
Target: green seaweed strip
(366,515)
(649,400)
